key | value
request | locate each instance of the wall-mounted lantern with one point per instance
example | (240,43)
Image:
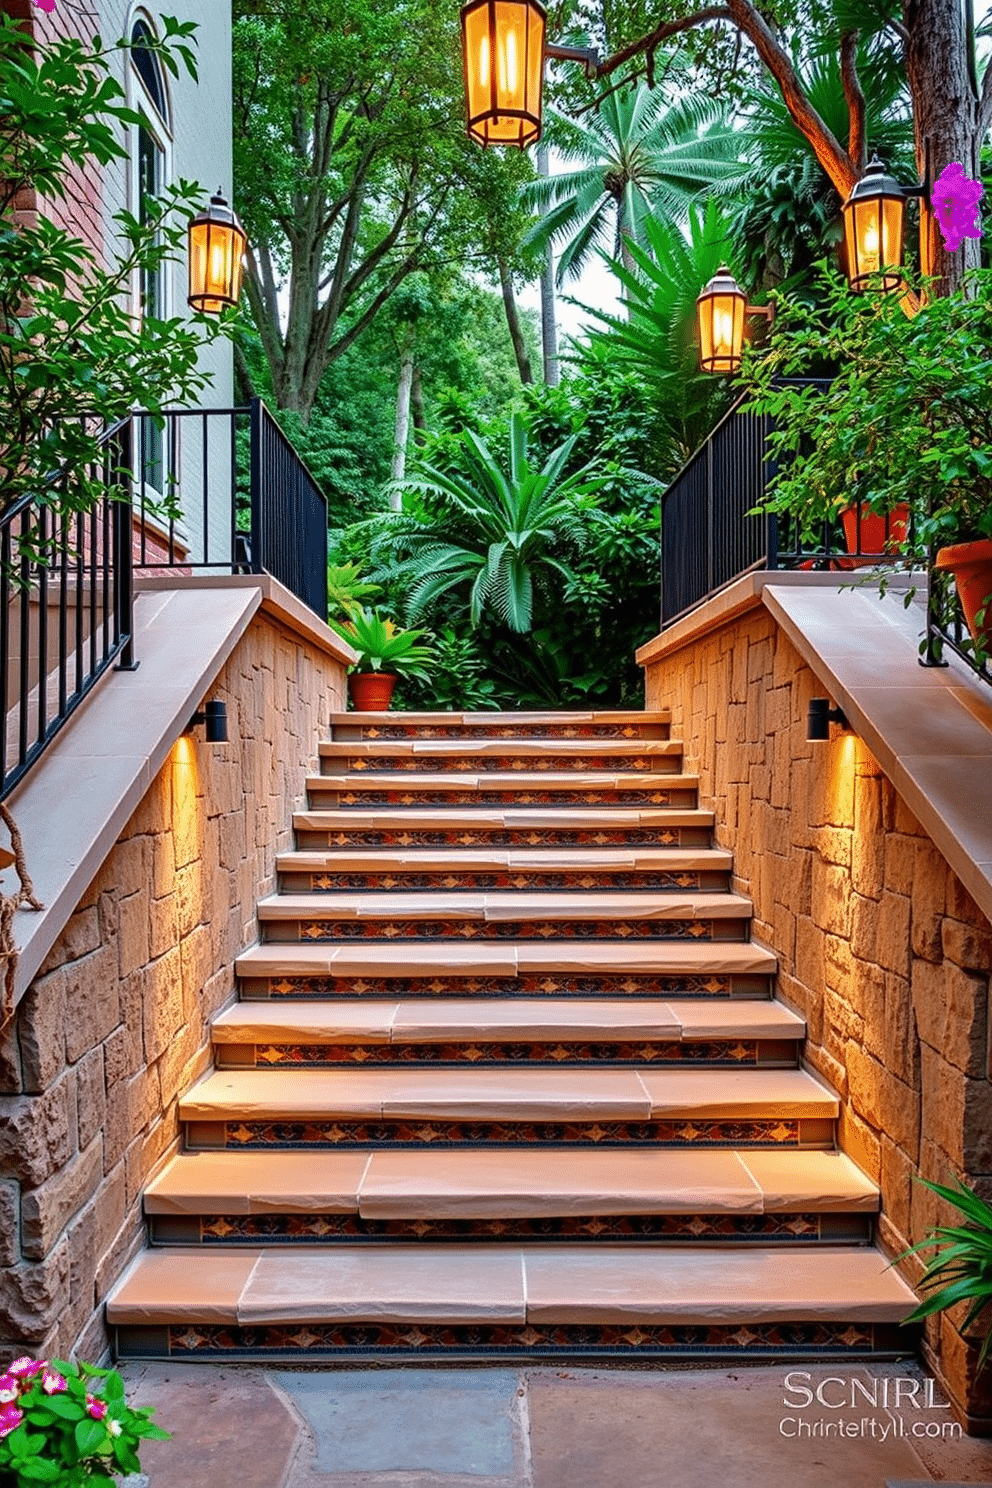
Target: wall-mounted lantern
(874,216)
(819,719)
(721,307)
(214,716)
(503,51)
(217,243)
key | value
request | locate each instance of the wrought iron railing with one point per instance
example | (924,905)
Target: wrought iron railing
(65,603)
(948,630)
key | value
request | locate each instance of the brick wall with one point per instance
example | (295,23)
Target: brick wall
(115,1027)
(880,946)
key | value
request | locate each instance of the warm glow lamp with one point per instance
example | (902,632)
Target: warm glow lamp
(503,50)
(721,307)
(217,244)
(873,227)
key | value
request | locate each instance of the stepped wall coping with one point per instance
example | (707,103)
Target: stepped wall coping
(73,805)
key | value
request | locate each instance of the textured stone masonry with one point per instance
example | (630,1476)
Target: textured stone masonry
(115,1026)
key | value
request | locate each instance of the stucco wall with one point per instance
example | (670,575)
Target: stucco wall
(880,947)
(115,1027)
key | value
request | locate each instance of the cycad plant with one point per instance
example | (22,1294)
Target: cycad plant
(961,1269)
(496,535)
(382,646)
(637,154)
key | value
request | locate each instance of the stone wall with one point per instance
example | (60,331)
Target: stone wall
(880,947)
(115,1027)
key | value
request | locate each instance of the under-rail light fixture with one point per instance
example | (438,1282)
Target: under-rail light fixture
(214,715)
(820,717)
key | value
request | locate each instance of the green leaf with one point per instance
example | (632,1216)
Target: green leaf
(90,1436)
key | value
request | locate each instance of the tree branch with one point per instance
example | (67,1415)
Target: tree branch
(857,145)
(662,33)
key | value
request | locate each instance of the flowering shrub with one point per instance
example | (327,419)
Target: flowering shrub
(67,1424)
(955,203)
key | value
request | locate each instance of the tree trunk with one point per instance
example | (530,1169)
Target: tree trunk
(402,423)
(417,406)
(513,321)
(549,327)
(945,114)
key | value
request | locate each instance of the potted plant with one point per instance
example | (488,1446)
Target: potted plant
(384,653)
(67,1424)
(906,424)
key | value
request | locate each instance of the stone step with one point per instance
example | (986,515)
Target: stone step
(505,756)
(569,725)
(465,868)
(487,1301)
(673,968)
(454,827)
(701,1197)
(320,1108)
(553,1032)
(594,788)
(672,915)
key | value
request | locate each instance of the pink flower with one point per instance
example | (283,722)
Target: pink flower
(23,1368)
(955,199)
(52,1382)
(48,5)
(96,1408)
(10,1419)
(9,1388)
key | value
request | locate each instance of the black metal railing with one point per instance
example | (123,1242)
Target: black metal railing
(710,534)
(947,629)
(65,603)
(223,490)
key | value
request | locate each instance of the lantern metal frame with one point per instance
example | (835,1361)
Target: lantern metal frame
(724,283)
(531,124)
(876,184)
(217,214)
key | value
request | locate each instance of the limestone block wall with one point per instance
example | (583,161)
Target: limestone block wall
(880,946)
(115,1026)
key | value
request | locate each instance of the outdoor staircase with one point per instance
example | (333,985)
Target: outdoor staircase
(507,1079)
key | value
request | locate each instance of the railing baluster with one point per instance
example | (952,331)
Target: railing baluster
(5,603)
(25,600)
(42,620)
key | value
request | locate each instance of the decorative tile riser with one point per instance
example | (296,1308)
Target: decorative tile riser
(681,1229)
(308,989)
(331,798)
(405,1342)
(499,764)
(361,836)
(418,1133)
(372,732)
(736,1053)
(529,879)
(286,931)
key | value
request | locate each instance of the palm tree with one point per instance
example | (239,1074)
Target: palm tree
(500,536)
(636,155)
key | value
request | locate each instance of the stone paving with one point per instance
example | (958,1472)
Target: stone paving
(769,1426)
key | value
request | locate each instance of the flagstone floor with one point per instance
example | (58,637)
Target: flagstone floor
(569,1427)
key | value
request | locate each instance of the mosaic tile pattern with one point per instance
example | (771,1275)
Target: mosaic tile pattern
(474,764)
(418,1132)
(361,836)
(500,731)
(541,985)
(529,879)
(372,1056)
(322,1229)
(411,929)
(759,1340)
(627,795)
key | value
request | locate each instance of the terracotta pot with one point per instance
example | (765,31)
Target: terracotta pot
(874,538)
(371,691)
(971,565)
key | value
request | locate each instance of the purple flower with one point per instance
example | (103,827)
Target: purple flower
(10,1419)
(96,1408)
(23,1368)
(955,199)
(10,1388)
(52,1382)
(48,5)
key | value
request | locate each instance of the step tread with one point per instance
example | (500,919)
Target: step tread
(467,748)
(506,859)
(506,958)
(513,904)
(503,719)
(485,1020)
(507,1094)
(503,1184)
(474,1283)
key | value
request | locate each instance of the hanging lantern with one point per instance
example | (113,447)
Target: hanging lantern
(873,224)
(217,243)
(721,306)
(503,50)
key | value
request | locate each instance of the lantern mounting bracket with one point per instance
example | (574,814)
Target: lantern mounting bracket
(588,56)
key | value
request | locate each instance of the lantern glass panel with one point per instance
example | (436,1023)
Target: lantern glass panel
(873,231)
(721,331)
(215,263)
(503,44)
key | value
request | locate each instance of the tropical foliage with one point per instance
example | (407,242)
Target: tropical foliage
(959,1272)
(382,646)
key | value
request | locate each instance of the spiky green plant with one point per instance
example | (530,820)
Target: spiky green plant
(346,589)
(961,1269)
(382,646)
